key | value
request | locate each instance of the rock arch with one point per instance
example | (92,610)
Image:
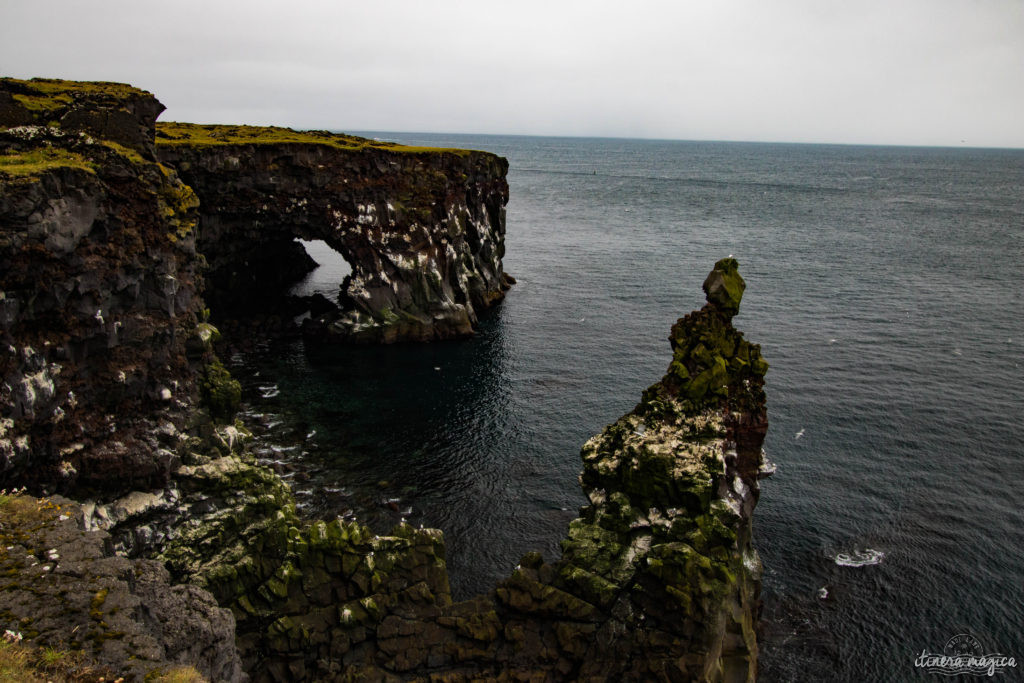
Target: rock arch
(423,229)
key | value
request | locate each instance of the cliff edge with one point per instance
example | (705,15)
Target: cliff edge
(99,348)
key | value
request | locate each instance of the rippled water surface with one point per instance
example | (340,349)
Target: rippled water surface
(885,287)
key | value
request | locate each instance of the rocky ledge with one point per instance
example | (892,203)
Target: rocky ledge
(65,587)
(422,228)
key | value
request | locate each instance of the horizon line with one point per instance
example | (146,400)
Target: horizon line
(962,146)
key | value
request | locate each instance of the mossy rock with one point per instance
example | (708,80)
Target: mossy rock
(221,393)
(724,286)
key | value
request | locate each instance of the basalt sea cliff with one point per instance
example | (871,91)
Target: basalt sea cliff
(423,229)
(173,547)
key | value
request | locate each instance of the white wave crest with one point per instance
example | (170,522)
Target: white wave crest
(860,558)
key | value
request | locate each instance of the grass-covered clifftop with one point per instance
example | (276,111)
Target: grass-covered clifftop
(54,95)
(113,112)
(173,133)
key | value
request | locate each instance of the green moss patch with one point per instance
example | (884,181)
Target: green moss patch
(221,393)
(35,162)
(724,285)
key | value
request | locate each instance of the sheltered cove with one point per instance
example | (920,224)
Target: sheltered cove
(112,372)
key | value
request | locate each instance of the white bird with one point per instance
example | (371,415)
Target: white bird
(799,434)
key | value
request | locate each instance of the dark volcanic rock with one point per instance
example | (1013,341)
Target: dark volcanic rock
(61,587)
(658,579)
(724,286)
(423,229)
(99,291)
(110,111)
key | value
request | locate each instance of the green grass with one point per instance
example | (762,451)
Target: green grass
(16,663)
(25,664)
(172,133)
(181,674)
(51,656)
(32,163)
(56,86)
(44,102)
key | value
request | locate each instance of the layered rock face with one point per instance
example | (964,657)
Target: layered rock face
(99,289)
(423,229)
(658,579)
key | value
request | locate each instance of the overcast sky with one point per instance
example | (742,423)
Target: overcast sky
(933,72)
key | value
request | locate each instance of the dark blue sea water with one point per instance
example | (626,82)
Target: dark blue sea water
(885,287)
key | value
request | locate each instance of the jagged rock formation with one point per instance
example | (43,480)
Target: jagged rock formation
(423,229)
(64,589)
(658,579)
(98,297)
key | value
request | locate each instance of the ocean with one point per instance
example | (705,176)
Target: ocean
(884,285)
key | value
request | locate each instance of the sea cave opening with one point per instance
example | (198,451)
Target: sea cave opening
(275,284)
(327,276)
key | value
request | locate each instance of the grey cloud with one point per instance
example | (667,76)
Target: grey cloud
(910,72)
